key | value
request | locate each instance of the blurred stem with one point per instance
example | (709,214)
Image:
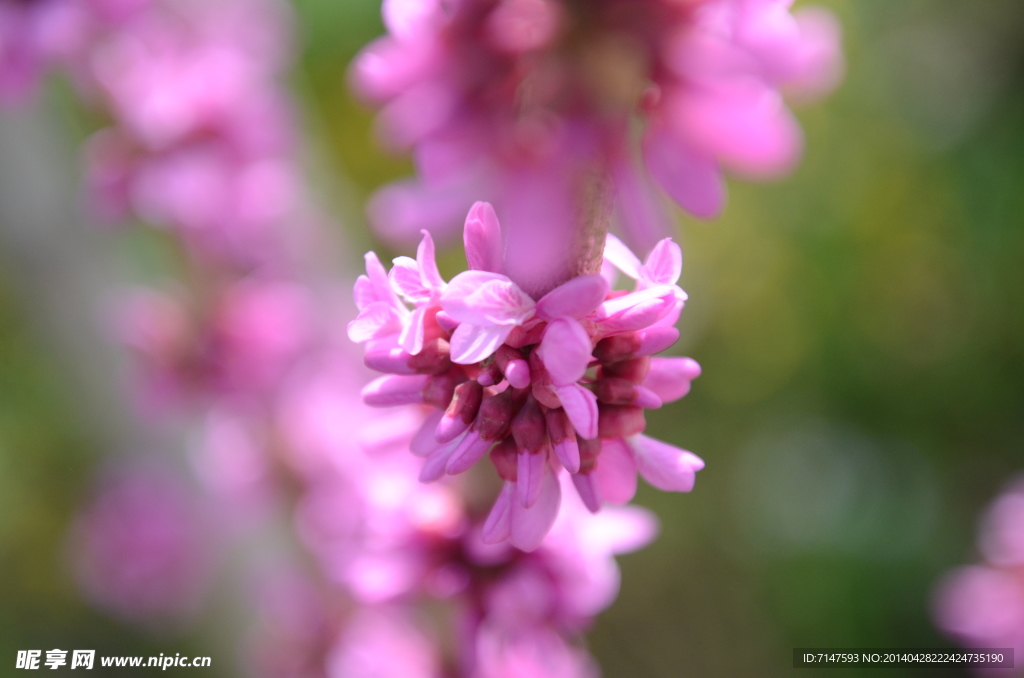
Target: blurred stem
(595,213)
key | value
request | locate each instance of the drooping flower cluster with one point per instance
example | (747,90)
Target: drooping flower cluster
(395,543)
(549,385)
(983,605)
(492,94)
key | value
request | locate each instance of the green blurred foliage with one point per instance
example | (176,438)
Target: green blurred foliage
(861,329)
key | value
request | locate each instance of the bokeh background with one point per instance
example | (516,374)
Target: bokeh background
(860,325)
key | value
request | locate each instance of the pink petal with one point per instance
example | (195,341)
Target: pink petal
(434,467)
(529,476)
(450,428)
(568,453)
(455,298)
(821,57)
(406,18)
(423,443)
(378,278)
(498,526)
(416,113)
(427,261)
(646,398)
(384,69)
(467,452)
(616,472)
(399,211)
(641,209)
(482,239)
(621,257)
(363,292)
(405,277)
(580,405)
(635,311)
(656,340)
(529,526)
(383,356)
(565,351)
(500,301)
(589,490)
(471,344)
(670,378)
(573,299)
(665,466)
(412,336)
(609,273)
(691,178)
(623,529)
(517,372)
(394,389)
(664,264)
(746,126)
(375,320)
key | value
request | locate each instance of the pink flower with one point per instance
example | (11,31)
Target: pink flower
(983,605)
(32,36)
(490,95)
(200,141)
(239,346)
(139,547)
(547,386)
(384,643)
(530,653)
(572,576)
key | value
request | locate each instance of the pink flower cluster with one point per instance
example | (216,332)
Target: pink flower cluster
(492,93)
(983,605)
(395,544)
(553,385)
(201,138)
(200,142)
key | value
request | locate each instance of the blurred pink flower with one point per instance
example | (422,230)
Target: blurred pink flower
(983,605)
(488,94)
(139,547)
(530,653)
(238,347)
(384,643)
(293,626)
(200,140)
(32,36)
(554,384)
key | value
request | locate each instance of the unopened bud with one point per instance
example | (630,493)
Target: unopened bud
(590,450)
(395,389)
(563,439)
(435,358)
(382,357)
(529,428)
(634,370)
(441,388)
(495,416)
(461,411)
(513,366)
(617,391)
(618,421)
(505,457)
